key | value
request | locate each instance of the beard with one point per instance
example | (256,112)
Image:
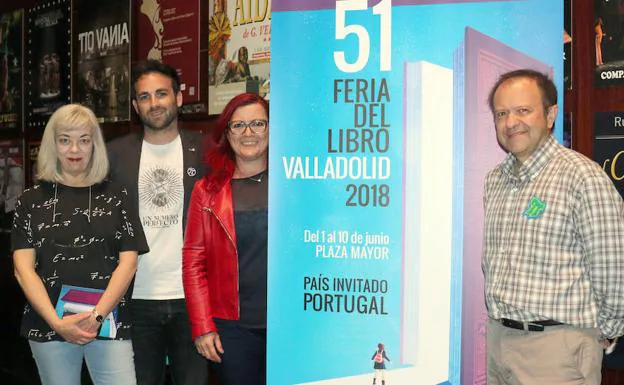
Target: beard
(161,122)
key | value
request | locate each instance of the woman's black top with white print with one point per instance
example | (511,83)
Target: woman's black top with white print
(77,234)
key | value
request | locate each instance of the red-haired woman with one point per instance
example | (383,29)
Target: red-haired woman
(225,247)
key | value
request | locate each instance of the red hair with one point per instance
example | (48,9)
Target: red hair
(219,156)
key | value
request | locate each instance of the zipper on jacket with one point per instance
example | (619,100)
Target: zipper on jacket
(209,210)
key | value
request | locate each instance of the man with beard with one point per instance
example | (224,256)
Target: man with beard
(159,167)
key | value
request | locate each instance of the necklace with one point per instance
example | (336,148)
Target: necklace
(258,177)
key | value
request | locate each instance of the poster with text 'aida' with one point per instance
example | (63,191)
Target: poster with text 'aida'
(381,137)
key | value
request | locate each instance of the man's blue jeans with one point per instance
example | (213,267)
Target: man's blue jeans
(161,330)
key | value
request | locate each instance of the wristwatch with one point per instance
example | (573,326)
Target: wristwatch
(98,316)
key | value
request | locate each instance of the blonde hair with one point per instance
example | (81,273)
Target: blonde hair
(67,117)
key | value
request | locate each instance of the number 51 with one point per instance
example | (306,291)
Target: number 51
(384,10)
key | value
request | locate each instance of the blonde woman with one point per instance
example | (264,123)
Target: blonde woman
(75,243)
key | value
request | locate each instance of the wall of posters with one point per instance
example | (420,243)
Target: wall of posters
(101,55)
(381,137)
(48,60)
(11,88)
(239,50)
(168,30)
(609,42)
(609,145)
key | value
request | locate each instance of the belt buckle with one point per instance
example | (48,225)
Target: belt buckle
(534,327)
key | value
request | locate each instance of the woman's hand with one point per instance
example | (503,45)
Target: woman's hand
(72,328)
(90,324)
(209,346)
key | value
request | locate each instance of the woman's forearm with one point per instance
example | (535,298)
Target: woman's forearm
(32,286)
(119,282)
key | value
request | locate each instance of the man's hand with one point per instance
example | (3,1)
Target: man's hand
(609,345)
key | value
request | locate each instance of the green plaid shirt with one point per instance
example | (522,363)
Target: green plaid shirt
(554,241)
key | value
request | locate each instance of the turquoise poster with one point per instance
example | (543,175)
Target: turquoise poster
(380,140)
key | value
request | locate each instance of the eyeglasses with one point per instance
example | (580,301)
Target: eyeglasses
(257,126)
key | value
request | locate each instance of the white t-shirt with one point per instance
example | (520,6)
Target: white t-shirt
(161,205)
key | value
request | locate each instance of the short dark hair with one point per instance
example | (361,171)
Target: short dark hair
(148,66)
(544,83)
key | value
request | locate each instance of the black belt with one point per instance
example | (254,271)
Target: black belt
(534,326)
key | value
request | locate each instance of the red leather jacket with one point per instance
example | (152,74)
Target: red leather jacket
(210,259)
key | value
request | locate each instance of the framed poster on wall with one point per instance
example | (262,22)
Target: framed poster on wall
(609,146)
(608,30)
(168,30)
(48,60)
(101,58)
(11,62)
(239,50)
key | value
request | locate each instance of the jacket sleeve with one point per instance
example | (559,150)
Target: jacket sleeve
(194,266)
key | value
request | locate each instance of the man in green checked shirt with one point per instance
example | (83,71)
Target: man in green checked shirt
(553,252)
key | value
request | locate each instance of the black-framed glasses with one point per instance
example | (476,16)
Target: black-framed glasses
(257,126)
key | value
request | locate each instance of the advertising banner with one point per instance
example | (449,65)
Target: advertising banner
(11,63)
(380,139)
(168,30)
(48,60)
(102,58)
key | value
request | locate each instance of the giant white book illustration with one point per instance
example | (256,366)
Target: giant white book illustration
(427,230)
(427,217)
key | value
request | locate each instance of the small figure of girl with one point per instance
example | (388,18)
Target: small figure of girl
(380,358)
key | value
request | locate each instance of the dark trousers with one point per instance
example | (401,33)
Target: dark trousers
(244,359)
(161,329)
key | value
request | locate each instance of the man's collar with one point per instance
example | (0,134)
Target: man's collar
(533,164)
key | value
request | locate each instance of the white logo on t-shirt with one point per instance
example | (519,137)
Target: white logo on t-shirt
(160,188)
